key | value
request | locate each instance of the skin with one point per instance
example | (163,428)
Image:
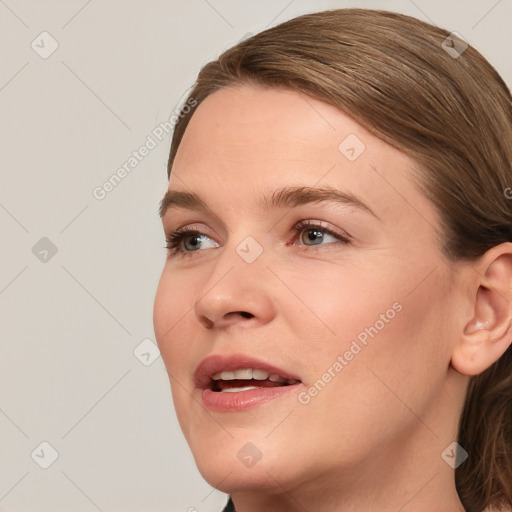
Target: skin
(372,438)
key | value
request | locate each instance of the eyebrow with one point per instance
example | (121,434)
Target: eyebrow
(280,198)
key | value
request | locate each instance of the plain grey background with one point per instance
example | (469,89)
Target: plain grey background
(79,369)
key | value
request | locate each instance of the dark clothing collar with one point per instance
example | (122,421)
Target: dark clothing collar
(230,507)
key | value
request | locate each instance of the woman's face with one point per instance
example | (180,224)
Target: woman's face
(364,318)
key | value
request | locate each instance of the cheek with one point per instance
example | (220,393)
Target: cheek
(388,383)
(414,356)
(387,334)
(170,313)
(333,304)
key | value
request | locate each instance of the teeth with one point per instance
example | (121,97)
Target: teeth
(245,374)
(248,374)
(236,390)
(259,374)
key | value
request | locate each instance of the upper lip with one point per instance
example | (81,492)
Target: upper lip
(219,362)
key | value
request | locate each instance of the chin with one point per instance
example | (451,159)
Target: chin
(228,476)
(238,464)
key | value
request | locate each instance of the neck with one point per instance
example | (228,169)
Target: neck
(407,474)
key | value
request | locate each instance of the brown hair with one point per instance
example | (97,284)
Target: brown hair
(400,78)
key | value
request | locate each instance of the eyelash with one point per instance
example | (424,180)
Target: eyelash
(173,241)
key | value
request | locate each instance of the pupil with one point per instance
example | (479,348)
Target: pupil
(194,240)
(314,234)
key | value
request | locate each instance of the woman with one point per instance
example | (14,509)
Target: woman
(335,308)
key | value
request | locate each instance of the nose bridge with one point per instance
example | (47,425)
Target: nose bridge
(242,255)
(237,283)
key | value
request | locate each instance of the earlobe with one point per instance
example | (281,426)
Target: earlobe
(488,333)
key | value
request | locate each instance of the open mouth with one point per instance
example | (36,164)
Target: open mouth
(246,379)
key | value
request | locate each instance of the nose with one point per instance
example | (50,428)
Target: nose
(236,293)
(225,319)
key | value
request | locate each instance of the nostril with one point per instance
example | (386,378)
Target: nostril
(206,322)
(245,314)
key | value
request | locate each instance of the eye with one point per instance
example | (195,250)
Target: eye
(185,241)
(193,236)
(315,232)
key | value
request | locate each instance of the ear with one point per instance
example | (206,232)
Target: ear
(488,334)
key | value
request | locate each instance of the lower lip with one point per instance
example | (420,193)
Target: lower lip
(219,401)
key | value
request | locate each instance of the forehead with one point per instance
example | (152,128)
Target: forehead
(251,121)
(245,139)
